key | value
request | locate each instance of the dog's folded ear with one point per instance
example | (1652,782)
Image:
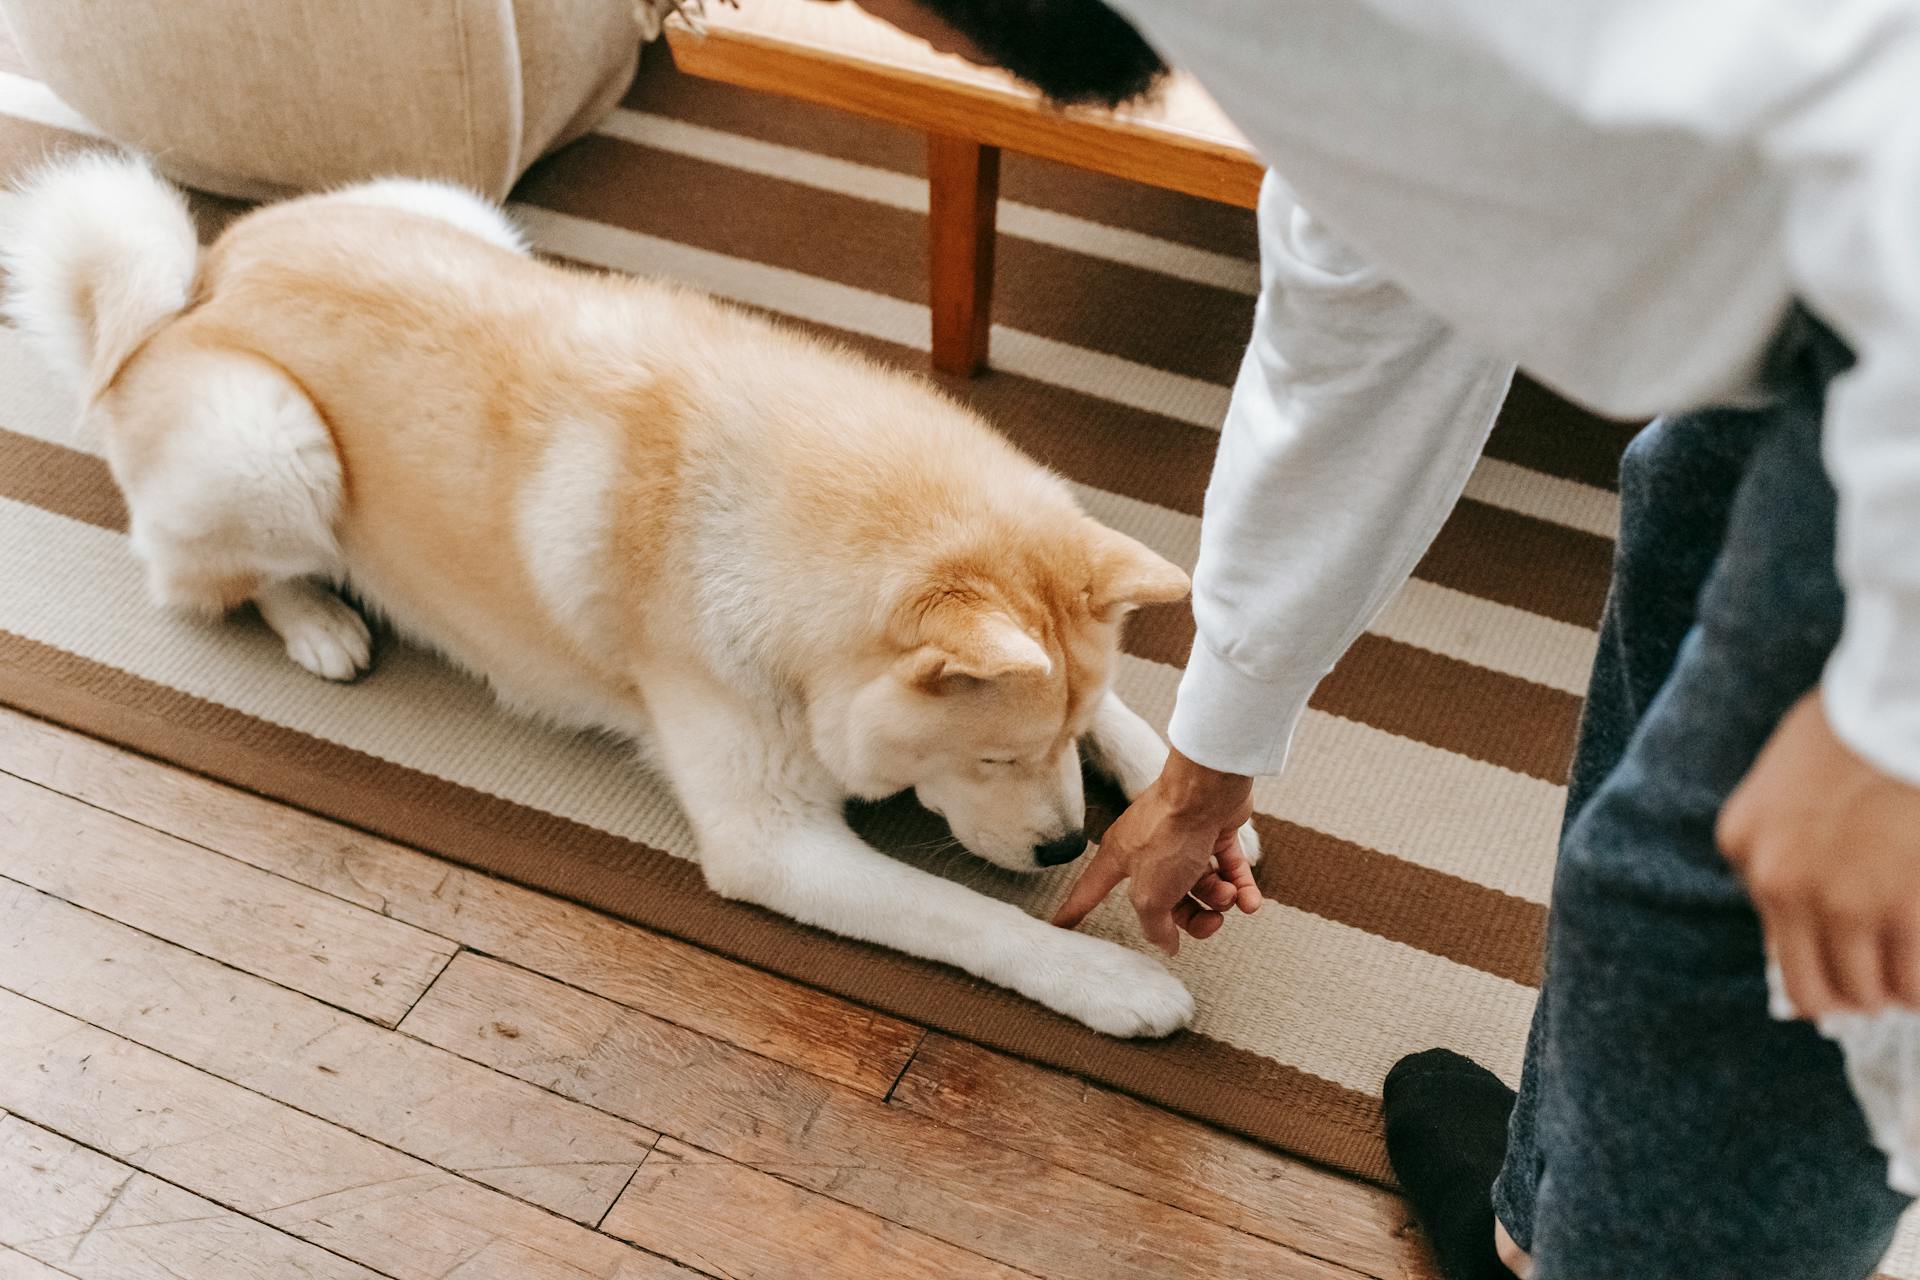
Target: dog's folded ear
(1126,575)
(962,644)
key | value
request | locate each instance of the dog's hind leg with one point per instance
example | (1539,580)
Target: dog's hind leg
(233,486)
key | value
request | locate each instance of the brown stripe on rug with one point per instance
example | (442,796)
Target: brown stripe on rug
(1468,923)
(61,480)
(1468,710)
(1516,560)
(1270,1101)
(1540,430)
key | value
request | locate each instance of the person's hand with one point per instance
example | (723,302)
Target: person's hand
(1829,848)
(1179,843)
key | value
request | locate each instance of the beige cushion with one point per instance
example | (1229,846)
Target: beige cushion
(255,97)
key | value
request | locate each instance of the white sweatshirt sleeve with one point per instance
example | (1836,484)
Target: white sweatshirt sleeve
(1355,423)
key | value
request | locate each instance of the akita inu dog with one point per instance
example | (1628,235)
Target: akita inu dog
(797,577)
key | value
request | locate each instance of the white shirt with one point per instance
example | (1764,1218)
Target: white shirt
(1621,196)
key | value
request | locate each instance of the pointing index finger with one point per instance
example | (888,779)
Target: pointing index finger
(1090,890)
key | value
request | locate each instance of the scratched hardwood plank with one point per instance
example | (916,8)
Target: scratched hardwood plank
(1131,1144)
(380,1084)
(778,1019)
(94,1218)
(980,1196)
(310,941)
(773,1230)
(311,1179)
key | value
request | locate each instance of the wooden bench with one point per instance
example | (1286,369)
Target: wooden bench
(838,55)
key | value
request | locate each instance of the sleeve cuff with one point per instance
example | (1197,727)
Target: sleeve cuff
(1227,720)
(1871,689)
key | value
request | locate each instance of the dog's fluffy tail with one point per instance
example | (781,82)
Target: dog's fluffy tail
(99,252)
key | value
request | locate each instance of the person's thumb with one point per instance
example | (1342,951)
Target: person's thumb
(1091,889)
(1237,871)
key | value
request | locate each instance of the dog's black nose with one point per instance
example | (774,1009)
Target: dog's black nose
(1065,849)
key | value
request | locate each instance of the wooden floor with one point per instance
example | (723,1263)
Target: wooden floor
(238,1041)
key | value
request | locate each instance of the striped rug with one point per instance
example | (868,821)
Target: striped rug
(1410,844)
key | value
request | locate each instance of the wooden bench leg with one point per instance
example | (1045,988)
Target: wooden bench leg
(963,194)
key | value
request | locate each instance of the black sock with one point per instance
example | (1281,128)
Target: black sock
(1446,1137)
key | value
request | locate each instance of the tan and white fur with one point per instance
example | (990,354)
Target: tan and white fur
(790,574)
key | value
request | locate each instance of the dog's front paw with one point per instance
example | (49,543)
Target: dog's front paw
(1108,987)
(1250,844)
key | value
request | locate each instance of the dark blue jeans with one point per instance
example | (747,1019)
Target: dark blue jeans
(1666,1126)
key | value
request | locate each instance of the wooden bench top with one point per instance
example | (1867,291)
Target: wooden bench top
(834,53)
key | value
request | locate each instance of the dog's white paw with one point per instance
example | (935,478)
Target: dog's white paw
(322,632)
(1110,988)
(1250,844)
(333,642)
